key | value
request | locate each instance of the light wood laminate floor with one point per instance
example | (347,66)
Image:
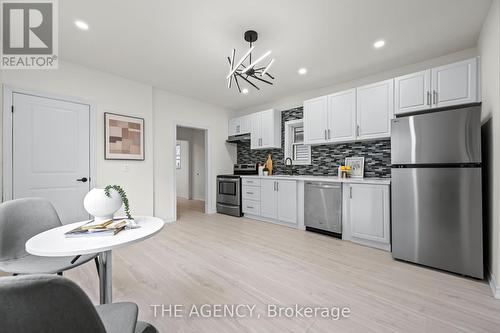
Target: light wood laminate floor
(219,259)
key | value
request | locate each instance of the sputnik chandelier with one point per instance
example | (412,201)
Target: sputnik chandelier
(250,71)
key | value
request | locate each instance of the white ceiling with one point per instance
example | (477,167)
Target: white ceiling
(182,45)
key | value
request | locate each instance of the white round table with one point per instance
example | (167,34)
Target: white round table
(53,243)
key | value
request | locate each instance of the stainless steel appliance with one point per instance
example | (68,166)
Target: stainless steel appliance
(229,189)
(323,207)
(436,190)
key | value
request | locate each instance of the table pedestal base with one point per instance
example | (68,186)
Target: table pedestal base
(105,278)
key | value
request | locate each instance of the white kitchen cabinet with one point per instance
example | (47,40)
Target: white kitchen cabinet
(315,120)
(268,202)
(265,130)
(279,200)
(374,110)
(367,214)
(239,125)
(455,83)
(413,92)
(342,116)
(330,118)
(287,201)
(443,86)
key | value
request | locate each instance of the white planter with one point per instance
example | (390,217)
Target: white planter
(100,206)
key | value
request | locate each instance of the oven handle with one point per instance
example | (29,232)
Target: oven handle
(228,206)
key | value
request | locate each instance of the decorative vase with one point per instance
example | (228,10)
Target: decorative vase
(100,206)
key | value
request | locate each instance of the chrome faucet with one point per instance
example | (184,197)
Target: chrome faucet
(289,163)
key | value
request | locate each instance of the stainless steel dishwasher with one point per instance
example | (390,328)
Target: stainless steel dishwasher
(323,207)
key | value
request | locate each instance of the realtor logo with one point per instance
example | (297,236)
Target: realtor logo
(29,34)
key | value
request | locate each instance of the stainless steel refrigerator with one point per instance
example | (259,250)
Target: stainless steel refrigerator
(436,190)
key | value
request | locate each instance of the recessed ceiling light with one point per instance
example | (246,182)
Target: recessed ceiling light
(244,90)
(379,44)
(303,71)
(82,25)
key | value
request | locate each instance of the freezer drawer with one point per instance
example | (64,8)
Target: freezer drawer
(437,218)
(323,206)
(445,137)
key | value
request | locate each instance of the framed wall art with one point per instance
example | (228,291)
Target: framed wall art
(123,137)
(357,165)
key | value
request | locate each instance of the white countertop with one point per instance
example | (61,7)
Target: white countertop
(331,179)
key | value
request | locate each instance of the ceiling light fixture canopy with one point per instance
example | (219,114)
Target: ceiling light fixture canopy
(251,73)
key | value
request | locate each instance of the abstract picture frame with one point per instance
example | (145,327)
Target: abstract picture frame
(357,165)
(123,137)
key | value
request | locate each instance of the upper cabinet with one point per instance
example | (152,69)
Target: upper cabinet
(330,118)
(413,92)
(316,120)
(374,110)
(240,125)
(442,86)
(265,130)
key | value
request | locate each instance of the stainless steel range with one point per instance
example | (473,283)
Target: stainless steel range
(229,189)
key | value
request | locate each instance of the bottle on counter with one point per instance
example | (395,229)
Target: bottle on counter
(269,164)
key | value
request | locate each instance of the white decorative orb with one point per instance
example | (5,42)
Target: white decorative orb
(100,206)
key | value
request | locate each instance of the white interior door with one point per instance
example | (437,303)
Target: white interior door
(51,147)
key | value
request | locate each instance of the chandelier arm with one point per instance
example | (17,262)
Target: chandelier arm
(244,78)
(272,77)
(237,83)
(258,78)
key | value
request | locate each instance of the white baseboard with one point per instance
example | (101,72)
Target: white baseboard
(494,288)
(211,210)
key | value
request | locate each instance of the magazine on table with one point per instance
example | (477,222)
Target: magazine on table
(104,228)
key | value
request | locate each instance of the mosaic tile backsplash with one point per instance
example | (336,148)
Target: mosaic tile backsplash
(325,159)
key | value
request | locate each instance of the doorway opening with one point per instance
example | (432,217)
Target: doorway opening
(190,171)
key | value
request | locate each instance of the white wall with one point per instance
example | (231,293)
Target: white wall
(196,139)
(182,175)
(296,100)
(109,93)
(171,110)
(489,50)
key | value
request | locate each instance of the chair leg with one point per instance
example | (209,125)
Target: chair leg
(96,260)
(59,273)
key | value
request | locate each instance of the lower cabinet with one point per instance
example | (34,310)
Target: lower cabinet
(278,201)
(367,215)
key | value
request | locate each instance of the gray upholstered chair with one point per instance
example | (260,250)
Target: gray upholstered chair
(50,303)
(20,220)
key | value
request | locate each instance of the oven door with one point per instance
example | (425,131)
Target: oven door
(228,191)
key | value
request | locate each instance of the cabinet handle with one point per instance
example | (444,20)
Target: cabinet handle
(357,130)
(325,134)
(350,192)
(329,137)
(434,95)
(250,207)
(428,98)
(249,192)
(277,186)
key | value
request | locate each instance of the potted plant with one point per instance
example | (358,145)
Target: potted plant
(103,202)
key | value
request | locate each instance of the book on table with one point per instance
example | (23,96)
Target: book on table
(105,228)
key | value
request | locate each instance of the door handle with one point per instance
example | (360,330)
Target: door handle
(83,180)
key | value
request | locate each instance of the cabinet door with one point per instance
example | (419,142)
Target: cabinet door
(268,125)
(245,124)
(233,126)
(342,116)
(315,120)
(369,212)
(268,199)
(375,106)
(287,201)
(255,138)
(455,83)
(413,92)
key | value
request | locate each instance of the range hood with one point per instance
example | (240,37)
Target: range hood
(238,138)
